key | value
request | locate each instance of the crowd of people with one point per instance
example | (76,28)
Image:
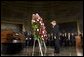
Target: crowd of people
(66,39)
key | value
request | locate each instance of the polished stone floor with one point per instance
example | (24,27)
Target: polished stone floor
(65,51)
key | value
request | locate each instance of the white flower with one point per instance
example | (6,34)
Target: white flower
(37,29)
(40,22)
(33,20)
(42,31)
(42,36)
(37,19)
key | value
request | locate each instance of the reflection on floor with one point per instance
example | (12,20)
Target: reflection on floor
(65,51)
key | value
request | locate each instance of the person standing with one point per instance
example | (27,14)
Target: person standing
(55,32)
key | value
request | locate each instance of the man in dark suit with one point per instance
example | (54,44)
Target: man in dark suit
(55,32)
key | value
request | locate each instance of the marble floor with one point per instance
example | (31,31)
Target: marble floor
(64,51)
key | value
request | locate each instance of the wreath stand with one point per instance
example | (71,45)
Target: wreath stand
(40,42)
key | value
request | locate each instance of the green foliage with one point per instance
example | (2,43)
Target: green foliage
(36,26)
